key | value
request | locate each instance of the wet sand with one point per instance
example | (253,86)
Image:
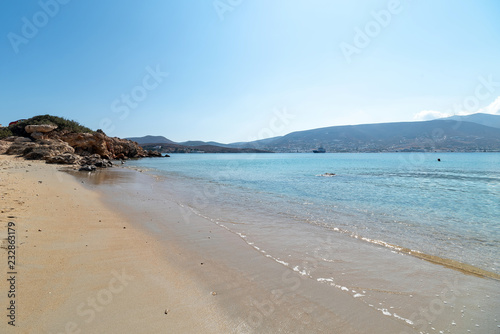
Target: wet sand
(84,270)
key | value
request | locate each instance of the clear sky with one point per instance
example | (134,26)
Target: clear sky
(236,70)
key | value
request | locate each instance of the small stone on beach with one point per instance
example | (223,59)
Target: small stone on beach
(214,293)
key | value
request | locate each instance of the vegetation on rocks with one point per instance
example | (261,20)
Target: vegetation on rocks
(62,124)
(5,132)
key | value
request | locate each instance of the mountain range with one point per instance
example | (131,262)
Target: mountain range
(476,132)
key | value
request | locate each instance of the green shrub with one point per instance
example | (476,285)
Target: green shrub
(5,132)
(62,124)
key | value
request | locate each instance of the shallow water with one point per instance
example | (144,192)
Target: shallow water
(260,236)
(447,209)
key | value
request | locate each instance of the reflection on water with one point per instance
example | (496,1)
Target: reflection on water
(109,176)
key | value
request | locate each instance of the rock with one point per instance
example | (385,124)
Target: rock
(103,163)
(98,143)
(11,139)
(121,156)
(4,146)
(22,140)
(154,154)
(87,168)
(44,128)
(34,156)
(64,159)
(328,174)
(37,135)
(39,150)
(96,160)
(20,149)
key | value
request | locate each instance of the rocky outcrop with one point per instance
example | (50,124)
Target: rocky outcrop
(64,159)
(98,143)
(64,147)
(39,150)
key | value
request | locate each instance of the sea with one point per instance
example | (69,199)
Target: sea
(443,206)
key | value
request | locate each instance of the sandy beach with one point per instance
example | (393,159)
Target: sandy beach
(82,268)
(105,253)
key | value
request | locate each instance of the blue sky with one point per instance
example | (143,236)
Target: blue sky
(235,70)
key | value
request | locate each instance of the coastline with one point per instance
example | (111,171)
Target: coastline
(177,265)
(83,268)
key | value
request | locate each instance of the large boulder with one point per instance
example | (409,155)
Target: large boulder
(154,154)
(95,160)
(43,128)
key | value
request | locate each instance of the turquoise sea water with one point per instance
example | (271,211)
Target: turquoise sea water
(449,209)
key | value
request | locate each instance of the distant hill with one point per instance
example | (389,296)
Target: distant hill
(177,148)
(201,143)
(477,132)
(479,118)
(436,135)
(151,140)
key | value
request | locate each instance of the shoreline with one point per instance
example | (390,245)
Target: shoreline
(460,266)
(183,264)
(83,267)
(394,288)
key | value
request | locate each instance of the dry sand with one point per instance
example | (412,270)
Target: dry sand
(81,268)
